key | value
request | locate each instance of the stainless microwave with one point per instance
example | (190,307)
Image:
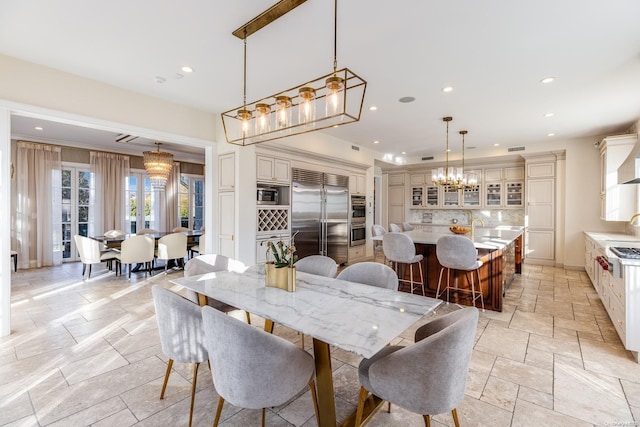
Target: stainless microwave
(267,196)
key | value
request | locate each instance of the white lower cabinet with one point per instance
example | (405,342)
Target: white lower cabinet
(357,253)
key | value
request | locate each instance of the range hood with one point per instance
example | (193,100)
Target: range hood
(629,170)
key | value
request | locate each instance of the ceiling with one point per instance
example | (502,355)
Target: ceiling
(493,53)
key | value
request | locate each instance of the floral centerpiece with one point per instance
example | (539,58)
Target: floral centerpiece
(279,269)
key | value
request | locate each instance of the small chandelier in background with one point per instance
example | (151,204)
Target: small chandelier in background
(446,176)
(330,100)
(469,180)
(158,165)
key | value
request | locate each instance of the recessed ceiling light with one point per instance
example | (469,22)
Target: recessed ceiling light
(496,145)
(376,142)
(549,115)
(547,80)
(407,99)
(404,152)
(187,69)
(38,128)
(447,89)
(373,108)
(551,134)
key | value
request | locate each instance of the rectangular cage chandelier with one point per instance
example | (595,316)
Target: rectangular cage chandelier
(331,100)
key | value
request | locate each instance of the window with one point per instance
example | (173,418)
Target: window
(191,202)
(75,188)
(142,205)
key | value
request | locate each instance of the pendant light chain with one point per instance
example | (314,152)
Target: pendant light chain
(335,36)
(446,170)
(244,90)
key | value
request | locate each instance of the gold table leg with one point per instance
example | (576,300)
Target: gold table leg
(324,384)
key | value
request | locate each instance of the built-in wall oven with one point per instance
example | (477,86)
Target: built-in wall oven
(358,213)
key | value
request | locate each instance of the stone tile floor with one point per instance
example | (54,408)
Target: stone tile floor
(87,352)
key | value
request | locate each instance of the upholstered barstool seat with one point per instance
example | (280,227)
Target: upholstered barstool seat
(395,228)
(459,253)
(399,249)
(406,226)
(378,230)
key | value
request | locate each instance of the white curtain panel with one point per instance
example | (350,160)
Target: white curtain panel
(172,198)
(39,208)
(110,173)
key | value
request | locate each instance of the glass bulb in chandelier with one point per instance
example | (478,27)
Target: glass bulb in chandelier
(244,116)
(263,119)
(307,106)
(334,99)
(283,112)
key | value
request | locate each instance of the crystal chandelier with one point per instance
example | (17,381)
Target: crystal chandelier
(469,180)
(330,100)
(158,165)
(449,176)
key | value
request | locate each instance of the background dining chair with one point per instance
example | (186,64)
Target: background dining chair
(251,368)
(428,377)
(181,334)
(90,253)
(317,264)
(180,229)
(406,226)
(395,228)
(399,249)
(172,247)
(147,231)
(210,263)
(114,233)
(136,249)
(14,256)
(371,273)
(378,230)
(459,253)
(199,248)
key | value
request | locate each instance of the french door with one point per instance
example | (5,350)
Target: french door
(142,203)
(191,204)
(76,186)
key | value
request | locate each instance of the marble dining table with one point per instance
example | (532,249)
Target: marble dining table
(351,316)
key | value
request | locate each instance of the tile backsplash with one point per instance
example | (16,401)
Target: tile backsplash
(491,217)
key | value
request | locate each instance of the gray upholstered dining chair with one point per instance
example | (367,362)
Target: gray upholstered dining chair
(90,253)
(399,249)
(172,247)
(428,377)
(317,264)
(210,263)
(254,369)
(371,273)
(395,228)
(459,253)
(181,334)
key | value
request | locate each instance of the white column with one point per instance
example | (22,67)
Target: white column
(5,214)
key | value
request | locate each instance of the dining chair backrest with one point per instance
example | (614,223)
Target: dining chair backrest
(114,233)
(179,326)
(398,247)
(395,228)
(137,249)
(436,387)
(147,231)
(88,249)
(317,264)
(371,273)
(172,246)
(209,263)
(378,230)
(457,253)
(251,368)
(180,229)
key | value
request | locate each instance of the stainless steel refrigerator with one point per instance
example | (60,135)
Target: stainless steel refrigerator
(320,214)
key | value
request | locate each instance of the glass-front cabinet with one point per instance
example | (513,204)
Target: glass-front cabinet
(417,196)
(472,196)
(493,194)
(451,196)
(433,196)
(514,193)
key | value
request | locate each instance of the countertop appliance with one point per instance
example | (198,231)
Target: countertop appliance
(626,253)
(320,214)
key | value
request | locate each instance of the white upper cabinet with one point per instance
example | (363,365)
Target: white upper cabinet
(227,172)
(396,179)
(273,170)
(418,179)
(514,173)
(357,184)
(618,201)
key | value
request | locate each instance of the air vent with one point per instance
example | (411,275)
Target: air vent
(126,138)
(427,158)
(511,149)
(355,148)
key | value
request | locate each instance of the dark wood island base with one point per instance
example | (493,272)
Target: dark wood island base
(498,270)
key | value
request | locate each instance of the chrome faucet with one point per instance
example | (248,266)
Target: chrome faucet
(473,226)
(633,218)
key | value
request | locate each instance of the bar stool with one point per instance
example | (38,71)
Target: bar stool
(406,226)
(459,253)
(377,230)
(395,228)
(399,249)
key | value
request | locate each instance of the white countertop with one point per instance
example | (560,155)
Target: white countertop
(607,240)
(491,238)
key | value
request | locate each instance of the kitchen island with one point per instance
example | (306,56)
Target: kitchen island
(499,249)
